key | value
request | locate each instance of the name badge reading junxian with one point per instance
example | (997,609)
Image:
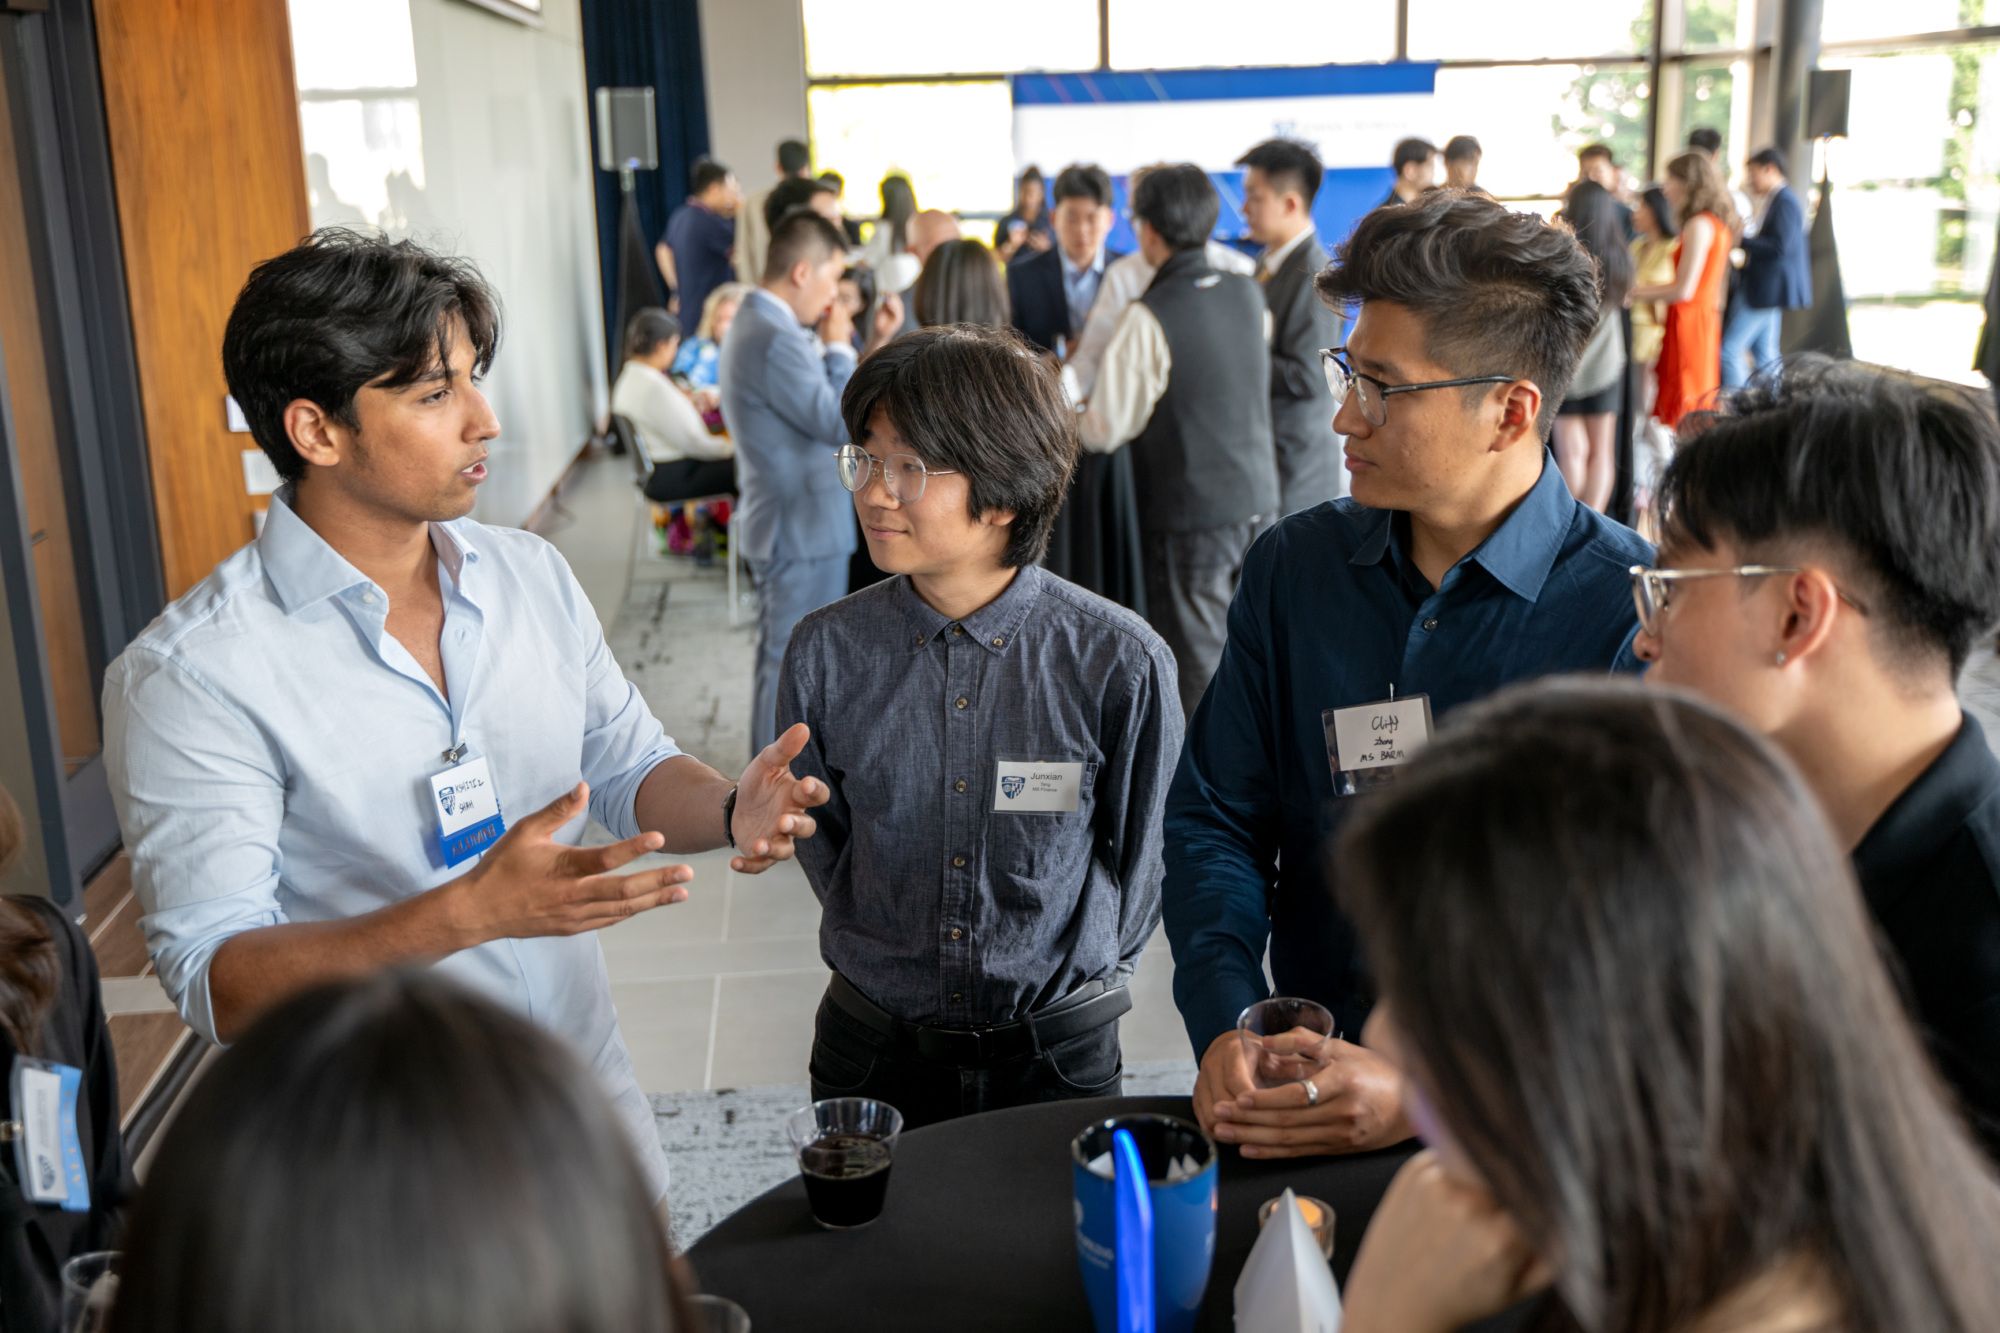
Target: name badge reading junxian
(1027,788)
(468,811)
(48,1155)
(1365,743)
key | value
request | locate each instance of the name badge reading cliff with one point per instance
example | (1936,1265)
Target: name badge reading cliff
(468,810)
(1029,788)
(1366,742)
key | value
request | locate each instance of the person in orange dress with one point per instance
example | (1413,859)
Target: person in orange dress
(1690,365)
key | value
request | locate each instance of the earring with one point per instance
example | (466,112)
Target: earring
(1781,659)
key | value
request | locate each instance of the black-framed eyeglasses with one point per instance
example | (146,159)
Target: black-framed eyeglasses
(1652,587)
(904,475)
(1372,393)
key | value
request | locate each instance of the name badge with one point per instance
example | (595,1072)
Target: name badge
(1366,742)
(48,1155)
(468,810)
(1024,787)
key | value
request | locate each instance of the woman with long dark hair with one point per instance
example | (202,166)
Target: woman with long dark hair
(1586,429)
(397,1154)
(961,284)
(1645,1030)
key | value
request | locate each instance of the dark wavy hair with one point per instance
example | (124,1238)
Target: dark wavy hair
(1900,475)
(978,400)
(1635,979)
(961,283)
(343,311)
(400,1155)
(29,970)
(1498,292)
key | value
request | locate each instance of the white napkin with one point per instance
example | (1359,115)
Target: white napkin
(1286,1285)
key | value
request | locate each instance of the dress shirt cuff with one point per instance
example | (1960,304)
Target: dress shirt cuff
(615,804)
(842,349)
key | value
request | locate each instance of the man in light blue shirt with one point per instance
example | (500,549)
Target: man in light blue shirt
(316,750)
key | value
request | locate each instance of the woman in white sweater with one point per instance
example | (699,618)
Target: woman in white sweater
(688,462)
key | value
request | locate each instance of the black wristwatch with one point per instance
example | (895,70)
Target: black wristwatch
(729,816)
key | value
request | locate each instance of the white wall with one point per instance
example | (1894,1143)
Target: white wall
(487,157)
(753,55)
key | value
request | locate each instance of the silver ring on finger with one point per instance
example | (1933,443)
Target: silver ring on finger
(1312,1091)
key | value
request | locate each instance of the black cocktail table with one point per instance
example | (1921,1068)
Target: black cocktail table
(979,1230)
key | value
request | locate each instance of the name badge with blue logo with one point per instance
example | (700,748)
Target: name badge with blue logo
(1028,787)
(468,810)
(48,1154)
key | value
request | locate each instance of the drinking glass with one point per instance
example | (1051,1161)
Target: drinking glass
(1286,1040)
(89,1289)
(845,1147)
(718,1314)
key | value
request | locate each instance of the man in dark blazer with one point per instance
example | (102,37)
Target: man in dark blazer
(1051,292)
(1280,180)
(1777,270)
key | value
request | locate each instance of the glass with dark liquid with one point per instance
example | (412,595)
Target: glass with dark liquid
(845,1147)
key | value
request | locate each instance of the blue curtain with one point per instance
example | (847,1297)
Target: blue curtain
(633,44)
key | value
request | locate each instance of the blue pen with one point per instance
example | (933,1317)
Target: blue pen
(1135,1236)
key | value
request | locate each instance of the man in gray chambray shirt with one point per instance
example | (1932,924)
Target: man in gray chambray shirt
(998,744)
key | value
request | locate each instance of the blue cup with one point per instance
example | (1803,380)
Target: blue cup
(1183,1219)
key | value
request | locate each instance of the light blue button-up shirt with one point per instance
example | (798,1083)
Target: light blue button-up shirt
(270,745)
(1080,282)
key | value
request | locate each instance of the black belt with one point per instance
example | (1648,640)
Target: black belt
(1085,1009)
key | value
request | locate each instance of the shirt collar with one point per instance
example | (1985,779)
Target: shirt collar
(1096,264)
(993,626)
(1932,809)
(304,570)
(1521,551)
(1279,254)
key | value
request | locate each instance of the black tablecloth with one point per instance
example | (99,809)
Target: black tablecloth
(979,1232)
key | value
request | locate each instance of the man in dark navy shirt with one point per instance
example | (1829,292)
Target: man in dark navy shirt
(1460,564)
(695,255)
(1831,555)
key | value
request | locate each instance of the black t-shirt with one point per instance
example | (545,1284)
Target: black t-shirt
(1930,870)
(37,1239)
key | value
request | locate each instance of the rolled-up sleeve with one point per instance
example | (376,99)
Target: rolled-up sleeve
(201,800)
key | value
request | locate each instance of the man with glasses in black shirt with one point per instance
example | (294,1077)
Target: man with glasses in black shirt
(1830,556)
(1459,564)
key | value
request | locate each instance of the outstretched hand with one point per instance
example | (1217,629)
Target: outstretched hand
(771,805)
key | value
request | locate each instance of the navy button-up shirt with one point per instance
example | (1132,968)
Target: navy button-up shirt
(1331,612)
(936,906)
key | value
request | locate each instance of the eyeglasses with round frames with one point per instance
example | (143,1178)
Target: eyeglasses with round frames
(903,475)
(1342,379)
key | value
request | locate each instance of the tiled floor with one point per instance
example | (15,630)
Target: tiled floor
(719,991)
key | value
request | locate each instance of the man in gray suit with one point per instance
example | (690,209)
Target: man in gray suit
(1279,185)
(781,392)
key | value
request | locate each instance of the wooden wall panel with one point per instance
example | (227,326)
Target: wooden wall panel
(204,122)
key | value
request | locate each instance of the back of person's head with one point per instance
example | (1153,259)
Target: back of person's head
(341,311)
(1592,214)
(1178,201)
(790,193)
(29,970)
(961,283)
(647,329)
(399,1155)
(794,158)
(1082,181)
(977,400)
(801,237)
(1892,479)
(726,297)
(1637,989)
(1497,292)
(1288,167)
(1654,200)
(833,180)
(705,173)
(899,205)
(1706,191)
(1463,148)
(1411,152)
(1769,157)
(1705,139)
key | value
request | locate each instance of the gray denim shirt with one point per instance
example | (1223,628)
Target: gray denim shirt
(939,907)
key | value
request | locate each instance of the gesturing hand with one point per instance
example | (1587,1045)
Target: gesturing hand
(530,885)
(887,321)
(771,804)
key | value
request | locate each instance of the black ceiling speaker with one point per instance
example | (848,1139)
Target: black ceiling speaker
(627,132)
(1826,114)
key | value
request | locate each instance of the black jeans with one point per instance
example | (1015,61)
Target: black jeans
(691,479)
(850,1059)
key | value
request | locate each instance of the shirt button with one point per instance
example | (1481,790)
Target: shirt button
(956,631)
(956,933)
(958,861)
(999,642)
(920,638)
(368,597)
(1431,623)
(956,997)
(958,785)
(961,701)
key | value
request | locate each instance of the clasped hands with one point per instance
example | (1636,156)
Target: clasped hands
(1359,1106)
